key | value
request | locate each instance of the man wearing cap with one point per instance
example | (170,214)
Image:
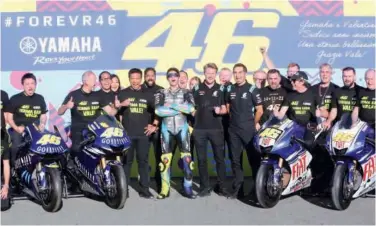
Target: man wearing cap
(300,106)
(173,105)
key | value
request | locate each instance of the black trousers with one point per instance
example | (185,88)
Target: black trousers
(16,142)
(215,137)
(155,140)
(239,140)
(77,138)
(140,145)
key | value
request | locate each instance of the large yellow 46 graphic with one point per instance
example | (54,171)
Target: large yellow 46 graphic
(112,132)
(49,139)
(183,27)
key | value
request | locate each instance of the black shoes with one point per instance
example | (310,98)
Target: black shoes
(146,194)
(204,192)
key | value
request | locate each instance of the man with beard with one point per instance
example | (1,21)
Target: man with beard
(272,96)
(259,78)
(344,98)
(245,109)
(25,108)
(366,103)
(292,69)
(151,86)
(172,105)
(210,106)
(105,93)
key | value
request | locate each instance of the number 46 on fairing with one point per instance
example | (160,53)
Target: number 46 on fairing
(49,139)
(183,28)
(112,132)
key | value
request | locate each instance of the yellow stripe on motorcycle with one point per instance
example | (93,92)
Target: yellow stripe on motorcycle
(52,165)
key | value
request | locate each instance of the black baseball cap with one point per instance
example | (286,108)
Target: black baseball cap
(300,75)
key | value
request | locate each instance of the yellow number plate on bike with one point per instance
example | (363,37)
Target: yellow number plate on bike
(343,137)
(272,133)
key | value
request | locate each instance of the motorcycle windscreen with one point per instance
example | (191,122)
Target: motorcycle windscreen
(45,142)
(272,130)
(109,133)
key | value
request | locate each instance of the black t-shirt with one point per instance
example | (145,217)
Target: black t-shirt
(286,83)
(87,107)
(271,98)
(107,97)
(324,95)
(242,99)
(302,107)
(205,100)
(4,106)
(367,105)
(344,99)
(26,109)
(152,89)
(137,115)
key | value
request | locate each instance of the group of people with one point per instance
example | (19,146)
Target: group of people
(191,113)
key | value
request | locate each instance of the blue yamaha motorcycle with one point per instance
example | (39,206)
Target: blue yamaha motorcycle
(98,167)
(38,166)
(353,151)
(285,161)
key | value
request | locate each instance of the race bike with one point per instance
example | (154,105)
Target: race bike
(353,151)
(38,167)
(285,161)
(98,168)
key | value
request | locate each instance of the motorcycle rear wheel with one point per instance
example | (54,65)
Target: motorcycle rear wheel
(54,202)
(262,182)
(339,200)
(120,181)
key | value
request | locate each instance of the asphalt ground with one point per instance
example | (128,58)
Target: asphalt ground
(176,209)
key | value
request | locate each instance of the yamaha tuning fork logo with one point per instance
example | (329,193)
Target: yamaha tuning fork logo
(83,48)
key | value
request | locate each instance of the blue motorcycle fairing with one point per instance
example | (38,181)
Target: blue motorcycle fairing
(359,149)
(284,146)
(109,134)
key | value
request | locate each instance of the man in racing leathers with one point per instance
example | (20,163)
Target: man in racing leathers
(366,103)
(85,106)
(344,98)
(172,105)
(272,95)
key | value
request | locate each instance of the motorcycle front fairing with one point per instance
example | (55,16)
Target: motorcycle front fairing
(347,144)
(108,138)
(109,134)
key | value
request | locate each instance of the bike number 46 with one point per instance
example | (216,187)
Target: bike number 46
(112,132)
(49,139)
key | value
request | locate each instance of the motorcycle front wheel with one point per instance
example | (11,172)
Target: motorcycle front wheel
(263,187)
(117,195)
(341,197)
(52,197)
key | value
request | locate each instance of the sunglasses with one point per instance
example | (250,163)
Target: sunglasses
(172,75)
